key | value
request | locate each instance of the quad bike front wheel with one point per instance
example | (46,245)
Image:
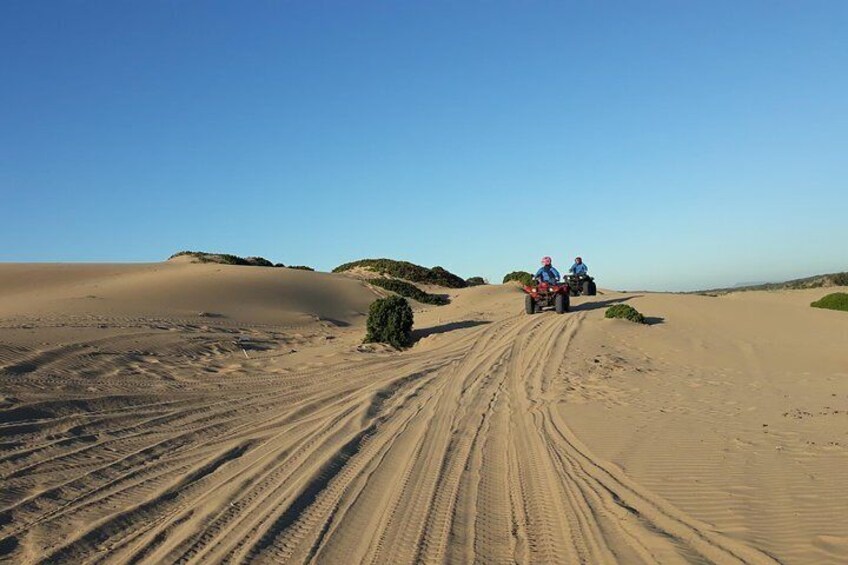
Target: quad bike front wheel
(561,303)
(529,304)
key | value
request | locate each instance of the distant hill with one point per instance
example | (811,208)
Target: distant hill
(815,281)
(407,271)
(749,283)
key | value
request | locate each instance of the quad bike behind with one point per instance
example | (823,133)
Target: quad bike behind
(545,295)
(581,284)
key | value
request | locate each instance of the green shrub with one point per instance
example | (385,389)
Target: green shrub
(626,312)
(475,281)
(523,277)
(835,301)
(839,279)
(409,290)
(301,268)
(406,270)
(389,321)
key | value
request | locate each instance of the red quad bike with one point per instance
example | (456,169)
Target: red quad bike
(546,295)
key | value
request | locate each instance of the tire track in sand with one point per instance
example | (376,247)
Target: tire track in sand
(451,453)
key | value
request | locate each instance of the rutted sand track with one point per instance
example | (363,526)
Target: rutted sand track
(453,453)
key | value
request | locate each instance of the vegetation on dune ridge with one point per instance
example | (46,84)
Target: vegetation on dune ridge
(389,321)
(625,312)
(258,262)
(476,281)
(523,277)
(835,301)
(815,281)
(229,259)
(409,290)
(407,271)
(225,259)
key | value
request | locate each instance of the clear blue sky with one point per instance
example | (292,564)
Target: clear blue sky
(674,145)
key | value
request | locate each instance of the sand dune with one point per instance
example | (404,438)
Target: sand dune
(136,430)
(180,289)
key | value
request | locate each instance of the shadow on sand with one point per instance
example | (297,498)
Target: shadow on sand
(444,328)
(602,303)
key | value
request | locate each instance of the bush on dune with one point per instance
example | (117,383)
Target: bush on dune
(390,321)
(407,271)
(625,312)
(301,267)
(839,279)
(443,277)
(835,301)
(225,259)
(475,281)
(259,262)
(203,257)
(409,290)
(523,277)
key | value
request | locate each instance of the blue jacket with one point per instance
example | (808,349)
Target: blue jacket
(579,269)
(548,275)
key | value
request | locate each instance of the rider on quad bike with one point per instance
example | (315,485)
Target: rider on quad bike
(579,280)
(547,273)
(579,267)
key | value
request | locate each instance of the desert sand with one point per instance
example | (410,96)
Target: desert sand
(179,412)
